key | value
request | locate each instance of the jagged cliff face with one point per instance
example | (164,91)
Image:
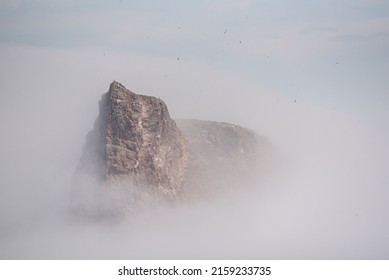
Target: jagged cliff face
(135,154)
(143,145)
(136,157)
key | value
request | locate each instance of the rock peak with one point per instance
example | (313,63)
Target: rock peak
(138,157)
(135,150)
(115,83)
(116,87)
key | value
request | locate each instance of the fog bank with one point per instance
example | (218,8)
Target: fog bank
(326,198)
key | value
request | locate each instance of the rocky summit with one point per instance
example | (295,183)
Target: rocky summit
(137,157)
(143,146)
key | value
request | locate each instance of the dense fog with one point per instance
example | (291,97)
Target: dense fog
(325,195)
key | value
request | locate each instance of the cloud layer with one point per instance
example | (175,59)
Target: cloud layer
(325,200)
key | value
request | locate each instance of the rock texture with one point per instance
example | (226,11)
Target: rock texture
(136,156)
(143,145)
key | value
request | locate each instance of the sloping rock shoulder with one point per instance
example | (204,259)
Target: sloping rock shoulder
(221,156)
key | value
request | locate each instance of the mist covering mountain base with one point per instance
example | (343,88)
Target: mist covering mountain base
(138,158)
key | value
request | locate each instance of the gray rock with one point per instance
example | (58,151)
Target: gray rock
(221,156)
(136,157)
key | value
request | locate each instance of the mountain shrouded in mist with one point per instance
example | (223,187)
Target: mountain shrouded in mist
(137,157)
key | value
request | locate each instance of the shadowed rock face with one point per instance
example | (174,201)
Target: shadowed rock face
(221,156)
(136,157)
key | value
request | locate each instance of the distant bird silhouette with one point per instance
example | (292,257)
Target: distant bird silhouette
(225,31)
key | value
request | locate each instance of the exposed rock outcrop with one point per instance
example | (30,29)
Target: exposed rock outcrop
(143,145)
(136,156)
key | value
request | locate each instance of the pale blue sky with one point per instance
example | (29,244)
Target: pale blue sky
(335,52)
